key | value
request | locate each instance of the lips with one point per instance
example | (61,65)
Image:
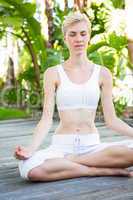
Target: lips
(78,46)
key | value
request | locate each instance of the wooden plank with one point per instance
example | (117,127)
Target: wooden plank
(12,187)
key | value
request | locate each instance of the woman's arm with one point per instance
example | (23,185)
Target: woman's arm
(45,123)
(111,120)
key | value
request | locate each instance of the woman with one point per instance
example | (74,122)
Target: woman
(76,149)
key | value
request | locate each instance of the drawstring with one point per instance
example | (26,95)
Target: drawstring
(76,144)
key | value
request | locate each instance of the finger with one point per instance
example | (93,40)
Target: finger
(22,155)
(19,157)
(22,158)
(19,153)
(16,156)
(18,148)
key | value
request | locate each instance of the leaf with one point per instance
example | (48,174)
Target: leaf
(118,3)
(117,42)
(34,26)
(23,9)
(27,10)
(4,3)
(11,21)
(104,57)
(94,47)
(2,32)
(54,57)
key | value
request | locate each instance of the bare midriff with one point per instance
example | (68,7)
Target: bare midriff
(77,121)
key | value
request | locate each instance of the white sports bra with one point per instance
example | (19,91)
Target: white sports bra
(70,95)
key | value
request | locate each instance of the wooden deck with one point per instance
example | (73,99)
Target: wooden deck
(12,187)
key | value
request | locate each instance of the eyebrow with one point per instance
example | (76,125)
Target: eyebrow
(80,31)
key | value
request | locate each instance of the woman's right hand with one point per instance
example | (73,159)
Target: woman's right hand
(22,153)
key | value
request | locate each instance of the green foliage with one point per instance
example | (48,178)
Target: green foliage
(120,106)
(11,21)
(110,53)
(117,42)
(104,56)
(53,57)
(118,3)
(1,83)
(12,113)
(20,16)
(28,75)
(24,59)
(109,50)
(34,99)
(100,13)
(94,47)
(57,21)
(2,32)
(10,96)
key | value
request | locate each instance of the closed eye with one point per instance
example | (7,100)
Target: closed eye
(72,34)
(83,34)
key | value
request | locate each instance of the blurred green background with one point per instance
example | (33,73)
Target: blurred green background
(31,41)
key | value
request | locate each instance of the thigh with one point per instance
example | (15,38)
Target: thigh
(57,168)
(58,164)
(112,156)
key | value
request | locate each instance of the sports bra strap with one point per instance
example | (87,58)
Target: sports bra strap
(62,74)
(64,78)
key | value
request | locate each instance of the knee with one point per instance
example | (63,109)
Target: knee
(36,174)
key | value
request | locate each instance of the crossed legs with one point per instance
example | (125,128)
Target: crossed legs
(117,156)
(110,161)
(57,169)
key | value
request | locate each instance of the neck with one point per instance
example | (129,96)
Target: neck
(78,60)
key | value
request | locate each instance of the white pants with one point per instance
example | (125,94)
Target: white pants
(67,144)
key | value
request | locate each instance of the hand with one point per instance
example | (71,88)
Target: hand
(22,153)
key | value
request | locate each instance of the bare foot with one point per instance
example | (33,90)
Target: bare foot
(130,173)
(101,171)
(110,172)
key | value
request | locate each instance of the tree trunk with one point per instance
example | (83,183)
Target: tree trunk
(49,14)
(130,50)
(85,3)
(10,77)
(34,59)
(65,4)
(82,5)
(78,5)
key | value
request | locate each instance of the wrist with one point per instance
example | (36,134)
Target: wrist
(31,148)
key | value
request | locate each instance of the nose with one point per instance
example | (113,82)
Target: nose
(78,38)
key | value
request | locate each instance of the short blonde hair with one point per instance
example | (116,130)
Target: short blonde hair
(75,17)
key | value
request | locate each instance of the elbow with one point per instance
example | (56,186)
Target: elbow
(47,117)
(46,120)
(109,123)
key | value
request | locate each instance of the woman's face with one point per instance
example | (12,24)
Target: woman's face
(77,37)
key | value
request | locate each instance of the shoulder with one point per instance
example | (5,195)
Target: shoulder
(51,70)
(51,73)
(105,75)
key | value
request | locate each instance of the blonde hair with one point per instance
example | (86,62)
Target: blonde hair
(75,17)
